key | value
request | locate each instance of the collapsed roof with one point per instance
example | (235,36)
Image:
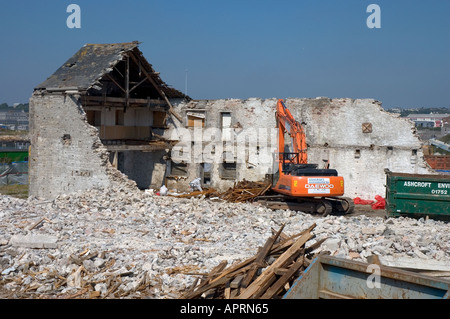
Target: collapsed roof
(100,69)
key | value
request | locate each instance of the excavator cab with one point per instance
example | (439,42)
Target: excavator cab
(291,168)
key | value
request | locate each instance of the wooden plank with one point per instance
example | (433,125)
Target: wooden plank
(258,263)
(283,236)
(227,291)
(273,278)
(280,271)
(242,267)
(214,273)
(234,293)
(193,120)
(277,287)
(159,119)
(192,287)
(209,294)
(127,85)
(134,87)
(121,100)
(236,283)
(82,292)
(264,286)
(287,243)
(40,221)
(115,82)
(264,190)
(315,245)
(268,275)
(220,280)
(94,294)
(236,268)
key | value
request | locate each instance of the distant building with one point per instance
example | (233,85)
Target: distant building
(11,143)
(14,120)
(426,120)
(445,128)
(427,124)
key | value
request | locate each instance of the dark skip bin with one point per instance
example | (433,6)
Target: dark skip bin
(330,277)
(417,195)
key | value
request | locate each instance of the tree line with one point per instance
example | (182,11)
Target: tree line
(19,107)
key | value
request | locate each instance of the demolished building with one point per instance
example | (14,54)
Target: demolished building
(106,111)
(102,110)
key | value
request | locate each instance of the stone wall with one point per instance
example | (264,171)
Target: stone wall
(66,154)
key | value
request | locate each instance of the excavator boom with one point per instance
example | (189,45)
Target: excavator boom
(287,124)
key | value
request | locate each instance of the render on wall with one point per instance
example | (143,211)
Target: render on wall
(236,139)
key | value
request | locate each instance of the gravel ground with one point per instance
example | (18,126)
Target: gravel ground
(134,244)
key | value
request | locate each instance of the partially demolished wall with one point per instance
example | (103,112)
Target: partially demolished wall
(66,154)
(357,137)
(221,141)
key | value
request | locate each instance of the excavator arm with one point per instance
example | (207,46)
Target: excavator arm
(287,124)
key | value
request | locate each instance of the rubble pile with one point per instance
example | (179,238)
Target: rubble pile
(267,275)
(133,244)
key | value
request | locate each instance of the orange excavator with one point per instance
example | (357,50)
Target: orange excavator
(300,184)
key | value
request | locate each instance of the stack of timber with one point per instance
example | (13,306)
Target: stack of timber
(245,191)
(267,275)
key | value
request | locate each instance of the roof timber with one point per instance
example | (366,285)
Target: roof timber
(100,102)
(91,69)
(149,147)
(161,92)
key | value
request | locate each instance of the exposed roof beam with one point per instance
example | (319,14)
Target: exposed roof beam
(115,82)
(143,80)
(171,110)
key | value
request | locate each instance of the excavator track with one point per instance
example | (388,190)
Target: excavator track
(322,206)
(342,205)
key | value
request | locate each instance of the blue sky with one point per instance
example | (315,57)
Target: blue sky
(247,48)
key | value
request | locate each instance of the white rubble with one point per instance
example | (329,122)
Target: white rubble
(133,244)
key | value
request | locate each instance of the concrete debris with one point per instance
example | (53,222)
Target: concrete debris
(416,263)
(195,185)
(163,190)
(121,243)
(34,241)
